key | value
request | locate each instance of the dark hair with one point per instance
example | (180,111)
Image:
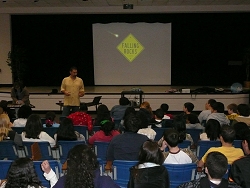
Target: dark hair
(240,128)
(124,101)
(129,110)
(83,107)
(246,137)
(82,162)
(4,105)
(189,106)
(50,117)
(18,84)
(24,112)
(243,110)
(212,129)
(33,126)
(179,125)
(216,164)
(211,101)
(232,107)
(72,68)
(218,106)
(22,174)
(192,118)
(159,113)
(107,127)
(227,133)
(171,136)
(132,123)
(102,113)
(66,130)
(164,107)
(150,152)
(144,120)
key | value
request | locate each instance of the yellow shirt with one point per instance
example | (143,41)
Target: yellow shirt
(74,87)
(231,153)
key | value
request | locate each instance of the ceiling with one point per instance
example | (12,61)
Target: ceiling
(111,6)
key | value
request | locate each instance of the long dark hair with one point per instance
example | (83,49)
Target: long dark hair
(102,113)
(82,162)
(33,127)
(213,129)
(107,127)
(66,130)
(179,125)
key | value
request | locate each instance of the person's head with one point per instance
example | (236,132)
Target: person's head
(73,72)
(124,101)
(102,113)
(129,110)
(191,118)
(216,165)
(246,142)
(217,107)
(188,107)
(164,107)
(146,106)
(171,137)
(24,112)
(107,127)
(22,174)
(144,120)
(209,103)
(18,85)
(50,118)
(227,134)
(212,129)
(240,128)
(3,106)
(4,126)
(243,110)
(159,114)
(81,162)
(150,152)
(132,123)
(66,130)
(33,126)
(232,108)
(179,124)
(83,107)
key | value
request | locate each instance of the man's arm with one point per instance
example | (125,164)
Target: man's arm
(200,163)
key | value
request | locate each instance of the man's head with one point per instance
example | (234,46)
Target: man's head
(124,101)
(209,103)
(132,123)
(217,107)
(216,165)
(73,72)
(171,137)
(243,110)
(83,107)
(164,107)
(227,134)
(232,108)
(188,107)
(159,114)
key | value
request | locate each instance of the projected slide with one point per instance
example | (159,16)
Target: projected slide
(132,54)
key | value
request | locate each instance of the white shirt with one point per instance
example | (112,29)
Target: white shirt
(178,158)
(20,122)
(43,137)
(150,133)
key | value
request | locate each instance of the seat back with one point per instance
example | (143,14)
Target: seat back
(96,128)
(101,150)
(237,143)
(184,144)
(159,133)
(51,131)
(53,164)
(45,149)
(82,130)
(121,171)
(4,166)
(8,150)
(180,173)
(204,145)
(195,134)
(65,146)
(18,130)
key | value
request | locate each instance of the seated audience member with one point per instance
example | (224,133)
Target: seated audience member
(6,117)
(212,130)
(50,120)
(22,173)
(192,122)
(82,171)
(244,114)
(66,131)
(232,111)
(128,111)
(145,129)
(239,172)
(33,131)
(6,133)
(4,109)
(82,117)
(149,172)
(105,134)
(188,107)
(240,129)
(216,168)
(205,113)
(20,94)
(117,112)
(217,110)
(126,146)
(22,115)
(165,108)
(227,137)
(146,109)
(102,113)
(175,155)
(158,119)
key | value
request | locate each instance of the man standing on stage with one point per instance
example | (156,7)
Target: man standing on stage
(73,88)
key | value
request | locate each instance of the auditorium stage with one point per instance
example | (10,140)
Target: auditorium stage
(43,100)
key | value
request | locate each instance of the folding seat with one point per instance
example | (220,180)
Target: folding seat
(101,150)
(4,166)
(195,134)
(204,145)
(8,150)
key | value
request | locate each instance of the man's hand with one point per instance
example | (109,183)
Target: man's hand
(81,93)
(66,93)
(45,166)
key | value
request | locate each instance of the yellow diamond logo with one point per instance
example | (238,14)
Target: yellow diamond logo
(130,47)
